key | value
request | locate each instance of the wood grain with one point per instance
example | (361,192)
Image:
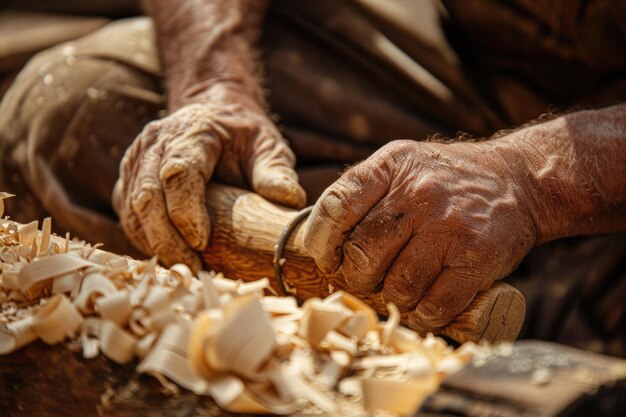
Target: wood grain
(246,227)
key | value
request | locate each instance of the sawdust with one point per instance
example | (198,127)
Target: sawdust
(215,336)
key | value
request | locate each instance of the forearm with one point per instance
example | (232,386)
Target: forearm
(207,43)
(574,172)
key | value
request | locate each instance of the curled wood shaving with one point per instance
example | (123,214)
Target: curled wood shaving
(16,335)
(114,306)
(57,319)
(215,336)
(3,196)
(401,397)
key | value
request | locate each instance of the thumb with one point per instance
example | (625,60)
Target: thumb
(273,176)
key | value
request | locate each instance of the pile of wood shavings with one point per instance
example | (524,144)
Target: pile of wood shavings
(212,335)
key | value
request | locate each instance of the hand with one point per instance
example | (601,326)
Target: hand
(160,194)
(430,224)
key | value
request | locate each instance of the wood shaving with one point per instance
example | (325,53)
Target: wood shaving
(215,336)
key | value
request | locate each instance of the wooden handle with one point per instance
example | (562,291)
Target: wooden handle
(246,228)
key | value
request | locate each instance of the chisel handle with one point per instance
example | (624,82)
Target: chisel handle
(246,228)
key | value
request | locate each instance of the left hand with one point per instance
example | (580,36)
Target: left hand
(160,194)
(431,224)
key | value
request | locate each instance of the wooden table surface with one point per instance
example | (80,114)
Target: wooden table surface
(55,381)
(41,380)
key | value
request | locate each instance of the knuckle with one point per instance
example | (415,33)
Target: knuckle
(284,154)
(174,172)
(417,323)
(181,215)
(189,157)
(333,206)
(467,257)
(428,183)
(271,151)
(361,175)
(127,163)
(361,257)
(398,150)
(148,135)
(433,311)
(142,197)
(404,286)
(401,146)
(403,299)
(151,128)
(356,256)
(382,169)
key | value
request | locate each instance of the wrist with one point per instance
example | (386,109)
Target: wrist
(227,72)
(531,164)
(547,197)
(571,171)
(204,44)
(219,90)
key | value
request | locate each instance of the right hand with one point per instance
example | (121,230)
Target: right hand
(428,224)
(160,194)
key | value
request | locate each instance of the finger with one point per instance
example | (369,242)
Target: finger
(121,199)
(128,164)
(411,274)
(133,229)
(340,208)
(272,174)
(129,221)
(187,165)
(375,243)
(449,295)
(148,203)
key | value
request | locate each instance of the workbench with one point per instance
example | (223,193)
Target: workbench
(530,378)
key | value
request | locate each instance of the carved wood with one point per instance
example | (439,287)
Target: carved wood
(246,227)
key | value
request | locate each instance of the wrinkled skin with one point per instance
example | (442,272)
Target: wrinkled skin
(430,224)
(160,195)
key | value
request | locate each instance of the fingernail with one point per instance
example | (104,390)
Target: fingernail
(283,190)
(194,241)
(202,243)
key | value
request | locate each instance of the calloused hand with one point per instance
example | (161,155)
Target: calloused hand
(160,194)
(429,224)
